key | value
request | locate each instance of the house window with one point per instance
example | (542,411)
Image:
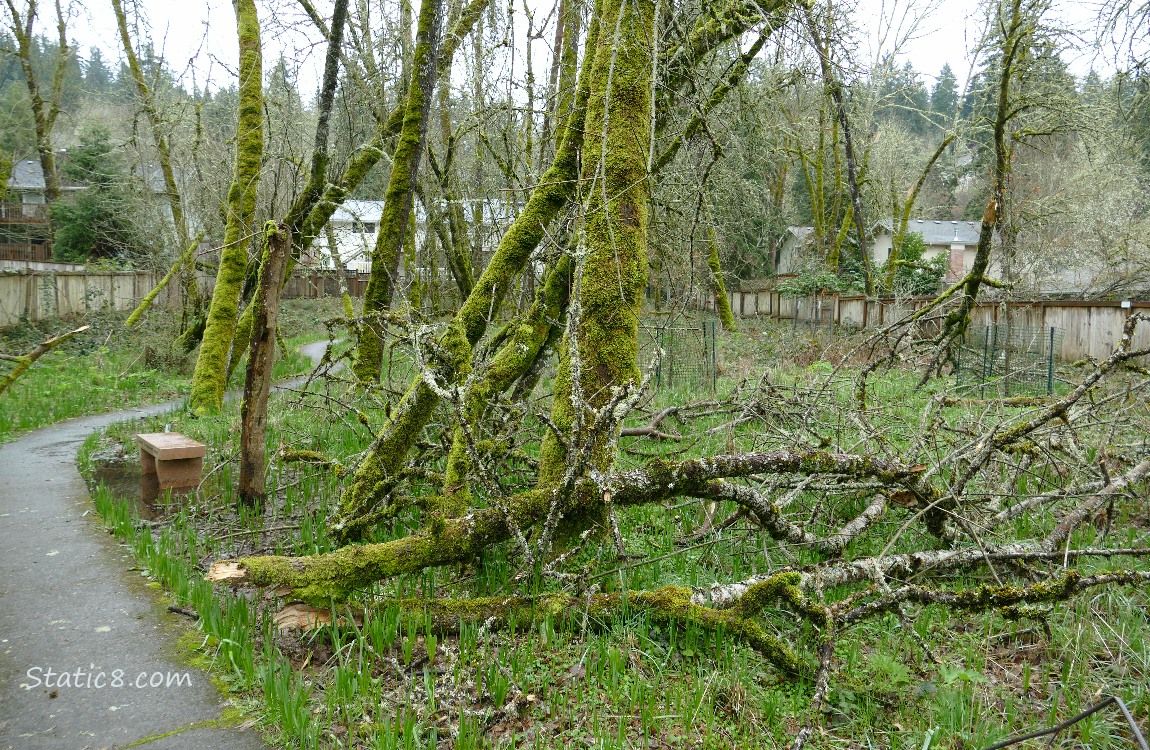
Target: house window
(369,227)
(357,226)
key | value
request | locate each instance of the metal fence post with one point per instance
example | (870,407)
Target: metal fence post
(714,358)
(1050,365)
(985,359)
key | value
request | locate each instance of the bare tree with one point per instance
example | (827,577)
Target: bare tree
(21,21)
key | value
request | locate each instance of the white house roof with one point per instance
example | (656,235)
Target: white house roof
(800,233)
(358,211)
(939,232)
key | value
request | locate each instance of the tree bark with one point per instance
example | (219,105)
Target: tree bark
(599,354)
(210,376)
(261,357)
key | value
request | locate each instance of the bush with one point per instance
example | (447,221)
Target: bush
(914,276)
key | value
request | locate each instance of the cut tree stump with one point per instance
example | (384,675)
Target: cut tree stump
(176,461)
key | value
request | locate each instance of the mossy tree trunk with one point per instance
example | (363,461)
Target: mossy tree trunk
(525,341)
(210,376)
(261,357)
(397,219)
(722,302)
(378,471)
(1017,29)
(600,350)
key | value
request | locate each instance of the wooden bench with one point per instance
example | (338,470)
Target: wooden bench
(175,460)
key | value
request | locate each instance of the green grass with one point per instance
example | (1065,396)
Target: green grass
(110,367)
(378,678)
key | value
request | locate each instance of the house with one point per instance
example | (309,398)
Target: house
(794,255)
(25,233)
(957,239)
(25,230)
(354,227)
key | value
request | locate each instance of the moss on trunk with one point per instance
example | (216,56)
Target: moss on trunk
(377,471)
(396,222)
(608,296)
(721,300)
(210,375)
(524,341)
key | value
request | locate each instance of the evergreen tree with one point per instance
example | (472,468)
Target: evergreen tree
(944,97)
(97,75)
(96,223)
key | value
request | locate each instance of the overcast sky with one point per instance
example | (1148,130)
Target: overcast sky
(203,31)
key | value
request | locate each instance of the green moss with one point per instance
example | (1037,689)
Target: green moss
(515,247)
(613,270)
(209,378)
(396,223)
(721,300)
(521,345)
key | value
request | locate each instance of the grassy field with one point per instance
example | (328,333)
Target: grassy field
(112,367)
(381,674)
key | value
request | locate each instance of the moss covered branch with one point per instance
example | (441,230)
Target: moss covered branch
(24,361)
(456,540)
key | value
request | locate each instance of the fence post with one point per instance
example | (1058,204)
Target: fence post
(714,358)
(985,359)
(1050,365)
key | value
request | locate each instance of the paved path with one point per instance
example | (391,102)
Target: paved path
(69,602)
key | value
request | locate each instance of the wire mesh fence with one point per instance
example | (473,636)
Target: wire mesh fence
(690,354)
(1009,360)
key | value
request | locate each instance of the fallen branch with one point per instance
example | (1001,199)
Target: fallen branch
(1112,700)
(458,540)
(25,361)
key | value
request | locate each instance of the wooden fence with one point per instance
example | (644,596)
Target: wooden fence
(314,284)
(1089,328)
(35,295)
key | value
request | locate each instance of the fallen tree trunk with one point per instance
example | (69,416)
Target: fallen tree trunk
(449,541)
